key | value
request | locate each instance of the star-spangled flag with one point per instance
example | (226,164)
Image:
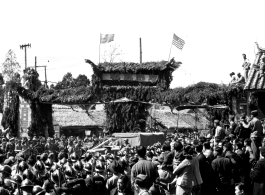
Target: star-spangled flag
(178,42)
(106,38)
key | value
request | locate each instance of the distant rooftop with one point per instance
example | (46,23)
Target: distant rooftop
(75,116)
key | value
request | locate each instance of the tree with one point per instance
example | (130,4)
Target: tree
(10,67)
(109,55)
(10,71)
(81,80)
(68,81)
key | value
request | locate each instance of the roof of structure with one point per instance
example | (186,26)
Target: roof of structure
(135,68)
(75,116)
(254,82)
(184,120)
(76,95)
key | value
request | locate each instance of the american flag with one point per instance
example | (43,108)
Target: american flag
(178,42)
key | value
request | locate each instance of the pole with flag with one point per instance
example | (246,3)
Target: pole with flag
(105,38)
(177,42)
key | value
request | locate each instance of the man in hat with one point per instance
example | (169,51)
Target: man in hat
(255,124)
(233,78)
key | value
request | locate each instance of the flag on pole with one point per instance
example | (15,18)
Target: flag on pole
(106,38)
(178,42)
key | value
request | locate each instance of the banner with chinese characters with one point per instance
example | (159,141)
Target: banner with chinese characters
(24,117)
(130,77)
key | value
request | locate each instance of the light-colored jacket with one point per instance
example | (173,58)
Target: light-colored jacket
(188,174)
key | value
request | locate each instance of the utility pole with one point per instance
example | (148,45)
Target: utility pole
(25,47)
(140,50)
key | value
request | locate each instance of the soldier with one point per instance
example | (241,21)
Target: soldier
(99,184)
(73,184)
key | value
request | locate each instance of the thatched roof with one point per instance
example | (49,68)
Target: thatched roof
(184,120)
(135,68)
(254,82)
(75,116)
(76,95)
(169,119)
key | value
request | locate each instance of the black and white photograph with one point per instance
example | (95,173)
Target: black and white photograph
(115,97)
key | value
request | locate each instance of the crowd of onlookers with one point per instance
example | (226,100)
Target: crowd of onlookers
(227,161)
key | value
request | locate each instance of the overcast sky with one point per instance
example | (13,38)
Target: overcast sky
(64,33)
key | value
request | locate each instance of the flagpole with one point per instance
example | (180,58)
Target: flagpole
(170,51)
(99,54)
(99,48)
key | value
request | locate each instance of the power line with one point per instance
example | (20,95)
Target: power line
(64,67)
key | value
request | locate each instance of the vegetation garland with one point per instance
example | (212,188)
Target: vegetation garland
(122,117)
(11,113)
(41,114)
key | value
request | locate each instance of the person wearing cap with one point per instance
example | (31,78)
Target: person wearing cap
(255,125)
(99,182)
(257,174)
(241,132)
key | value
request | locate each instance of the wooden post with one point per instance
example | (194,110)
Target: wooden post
(140,50)
(46,82)
(35,63)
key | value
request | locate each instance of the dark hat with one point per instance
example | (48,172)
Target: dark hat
(133,160)
(219,150)
(26,185)
(254,112)
(6,169)
(115,167)
(232,73)
(99,166)
(16,179)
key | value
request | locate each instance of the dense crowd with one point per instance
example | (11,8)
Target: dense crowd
(229,160)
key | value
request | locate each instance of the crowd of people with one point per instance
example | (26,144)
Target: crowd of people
(228,161)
